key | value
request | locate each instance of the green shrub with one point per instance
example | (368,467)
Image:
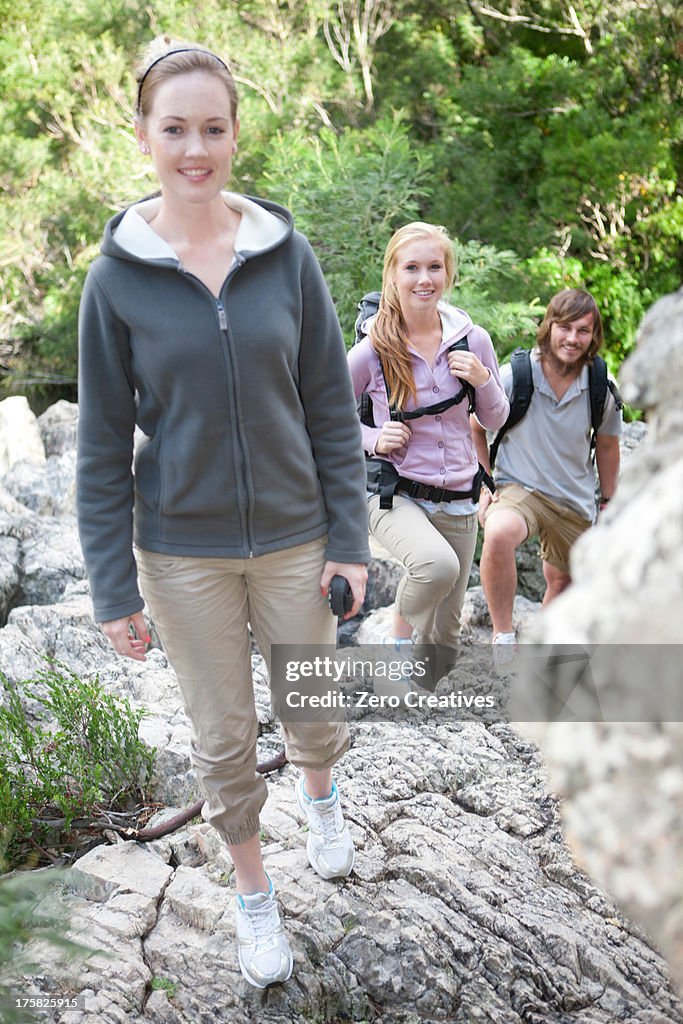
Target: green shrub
(81,758)
(349,192)
(488,287)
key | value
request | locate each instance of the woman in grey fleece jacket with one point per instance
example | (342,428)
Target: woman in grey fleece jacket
(206,322)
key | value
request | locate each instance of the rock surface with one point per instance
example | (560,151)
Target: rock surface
(19,434)
(465,904)
(622,782)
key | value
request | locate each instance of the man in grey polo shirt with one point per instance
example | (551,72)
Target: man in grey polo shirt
(544,473)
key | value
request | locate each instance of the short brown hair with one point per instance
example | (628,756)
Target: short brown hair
(565,307)
(165,57)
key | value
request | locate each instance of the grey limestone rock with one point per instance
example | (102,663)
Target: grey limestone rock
(58,426)
(622,781)
(49,490)
(9,575)
(16,520)
(475,619)
(465,904)
(51,558)
(19,434)
(384,575)
(37,504)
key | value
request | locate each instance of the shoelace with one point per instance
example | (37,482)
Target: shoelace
(329,824)
(263,919)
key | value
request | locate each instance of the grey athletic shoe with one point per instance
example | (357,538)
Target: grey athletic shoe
(329,846)
(264,953)
(504,653)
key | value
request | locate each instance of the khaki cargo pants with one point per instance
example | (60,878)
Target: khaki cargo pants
(201,608)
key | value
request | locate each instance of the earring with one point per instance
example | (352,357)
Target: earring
(144,149)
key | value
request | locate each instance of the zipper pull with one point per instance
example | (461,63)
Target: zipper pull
(222,318)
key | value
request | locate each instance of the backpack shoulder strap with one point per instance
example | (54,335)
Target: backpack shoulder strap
(522,390)
(464,345)
(597,392)
(367,307)
(598,383)
(466,391)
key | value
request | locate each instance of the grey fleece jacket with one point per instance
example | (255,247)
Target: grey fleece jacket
(251,438)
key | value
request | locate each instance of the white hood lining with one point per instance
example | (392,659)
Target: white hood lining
(455,322)
(259,229)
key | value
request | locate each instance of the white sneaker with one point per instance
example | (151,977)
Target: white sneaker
(264,953)
(399,650)
(329,846)
(504,653)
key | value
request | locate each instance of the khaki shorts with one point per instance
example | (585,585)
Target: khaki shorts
(557,527)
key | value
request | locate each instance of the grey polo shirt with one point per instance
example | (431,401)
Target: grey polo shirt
(549,449)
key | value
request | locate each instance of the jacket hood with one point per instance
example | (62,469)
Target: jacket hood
(455,322)
(128,235)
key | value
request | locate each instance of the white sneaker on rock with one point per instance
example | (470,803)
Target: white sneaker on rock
(504,653)
(264,953)
(329,846)
(399,651)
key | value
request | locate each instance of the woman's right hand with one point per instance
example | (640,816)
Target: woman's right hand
(131,644)
(392,435)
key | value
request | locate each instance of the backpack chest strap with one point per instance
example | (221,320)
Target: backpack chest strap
(401,416)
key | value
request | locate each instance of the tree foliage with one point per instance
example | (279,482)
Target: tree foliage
(546,135)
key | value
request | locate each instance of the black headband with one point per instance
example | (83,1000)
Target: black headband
(184,49)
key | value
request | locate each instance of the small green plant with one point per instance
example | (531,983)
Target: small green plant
(81,757)
(164,985)
(349,922)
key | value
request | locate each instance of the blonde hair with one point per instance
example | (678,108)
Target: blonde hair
(165,57)
(565,307)
(389,335)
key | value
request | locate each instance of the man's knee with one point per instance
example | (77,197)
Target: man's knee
(504,531)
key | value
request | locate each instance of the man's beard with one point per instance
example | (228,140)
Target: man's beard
(561,368)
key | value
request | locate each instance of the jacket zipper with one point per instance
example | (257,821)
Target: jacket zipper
(223,326)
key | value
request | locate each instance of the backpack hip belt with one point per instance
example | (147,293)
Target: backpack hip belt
(384,479)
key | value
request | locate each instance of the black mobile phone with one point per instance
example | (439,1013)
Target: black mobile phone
(340,597)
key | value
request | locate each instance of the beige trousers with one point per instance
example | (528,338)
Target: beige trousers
(437,552)
(201,608)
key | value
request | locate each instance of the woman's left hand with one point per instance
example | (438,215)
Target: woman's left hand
(468,367)
(357,575)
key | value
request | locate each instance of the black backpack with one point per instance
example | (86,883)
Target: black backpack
(367,307)
(523,388)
